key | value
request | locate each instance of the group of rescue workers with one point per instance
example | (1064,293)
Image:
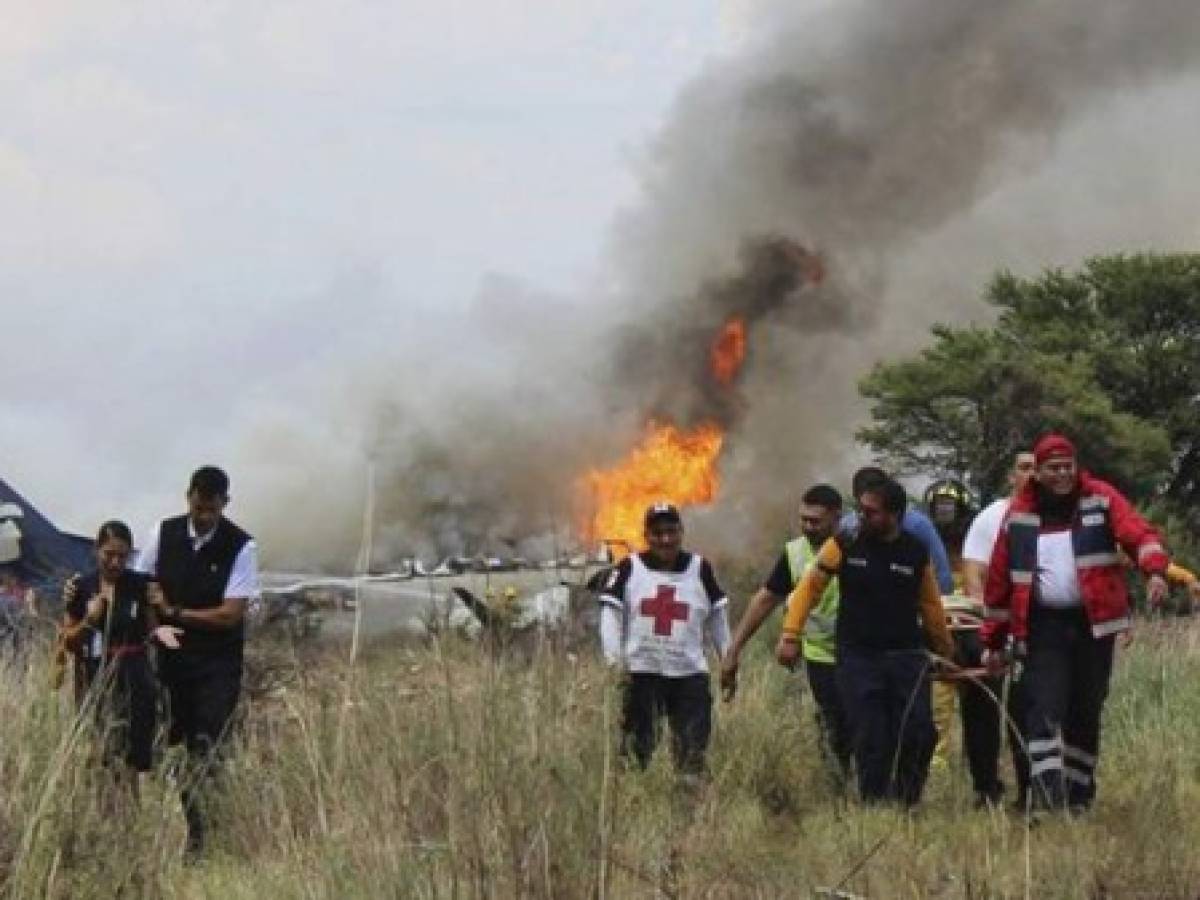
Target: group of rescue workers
(1018,620)
(896,613)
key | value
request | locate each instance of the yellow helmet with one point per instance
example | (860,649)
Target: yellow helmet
(949,503)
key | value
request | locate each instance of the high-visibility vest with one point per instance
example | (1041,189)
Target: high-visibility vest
(819,640)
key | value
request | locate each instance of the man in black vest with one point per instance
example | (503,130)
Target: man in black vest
(207,569)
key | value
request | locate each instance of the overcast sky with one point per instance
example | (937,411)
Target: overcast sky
(200,200)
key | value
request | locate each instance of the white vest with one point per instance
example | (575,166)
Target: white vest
(665,618)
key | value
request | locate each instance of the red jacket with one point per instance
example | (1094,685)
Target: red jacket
(1103,520)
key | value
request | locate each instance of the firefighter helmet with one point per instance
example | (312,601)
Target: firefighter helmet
(949,504)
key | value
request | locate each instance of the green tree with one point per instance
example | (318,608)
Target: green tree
(1109,355)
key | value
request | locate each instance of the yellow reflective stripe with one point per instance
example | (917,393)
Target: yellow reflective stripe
(796,557)
(1097,560)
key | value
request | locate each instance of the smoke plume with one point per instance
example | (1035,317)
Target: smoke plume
(799,186)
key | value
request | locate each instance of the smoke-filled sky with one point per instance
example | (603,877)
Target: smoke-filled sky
(292,237)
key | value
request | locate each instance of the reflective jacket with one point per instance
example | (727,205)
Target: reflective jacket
(819,640)
(1104,520)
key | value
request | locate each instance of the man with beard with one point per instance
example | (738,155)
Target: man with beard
(913,521)
(1056,585)
(657,608)
(889,594)
(820,511)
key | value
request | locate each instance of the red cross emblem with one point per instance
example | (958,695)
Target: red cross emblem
(665,609)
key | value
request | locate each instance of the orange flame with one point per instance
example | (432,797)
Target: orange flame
(669,463)
(728,350)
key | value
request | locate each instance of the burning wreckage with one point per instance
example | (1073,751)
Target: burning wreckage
(676,458)
(527,605)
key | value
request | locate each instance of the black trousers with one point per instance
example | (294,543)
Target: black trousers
(1066,682)
(202,696)
(886,694)
(686,703)
(128,712)
(837,744)
(982,728)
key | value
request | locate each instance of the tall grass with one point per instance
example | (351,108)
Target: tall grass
(444,771)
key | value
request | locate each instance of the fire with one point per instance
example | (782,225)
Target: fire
(679,464)
(669,463)
(728,350)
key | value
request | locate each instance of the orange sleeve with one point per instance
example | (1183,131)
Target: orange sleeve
(933,616)
(810,588)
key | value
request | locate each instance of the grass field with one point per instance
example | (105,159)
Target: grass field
(447,771)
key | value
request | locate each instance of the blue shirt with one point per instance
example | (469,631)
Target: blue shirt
(919,526)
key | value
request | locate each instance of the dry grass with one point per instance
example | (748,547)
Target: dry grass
(441,771)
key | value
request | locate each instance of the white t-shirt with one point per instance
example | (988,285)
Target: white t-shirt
(1057,581)
(981,536)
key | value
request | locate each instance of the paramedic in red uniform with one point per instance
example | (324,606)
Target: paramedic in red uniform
(1056,585)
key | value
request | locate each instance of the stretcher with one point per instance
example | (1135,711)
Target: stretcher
(964,618)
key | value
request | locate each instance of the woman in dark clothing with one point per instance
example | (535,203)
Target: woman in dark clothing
(108,623)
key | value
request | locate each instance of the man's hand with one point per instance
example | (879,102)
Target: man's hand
(168,636)
(95,608)
(1194,591)
(154,596)
(729,673)
(1126,637)
(616,672)
(940,665)
(787,651)
(994,662)
(1156,590)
